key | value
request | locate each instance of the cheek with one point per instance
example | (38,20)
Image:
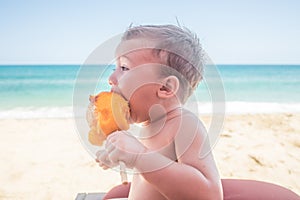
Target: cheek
(138,101)
(145,95)
(141,101)
(128,87)
(137,80)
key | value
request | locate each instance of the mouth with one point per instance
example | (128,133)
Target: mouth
(118,91)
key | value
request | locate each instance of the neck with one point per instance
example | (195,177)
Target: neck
(158,121)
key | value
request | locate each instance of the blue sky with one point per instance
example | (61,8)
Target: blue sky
(231,31)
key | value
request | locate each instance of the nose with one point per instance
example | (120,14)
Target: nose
(113,79)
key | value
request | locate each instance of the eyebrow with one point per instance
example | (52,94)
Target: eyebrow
(124,56)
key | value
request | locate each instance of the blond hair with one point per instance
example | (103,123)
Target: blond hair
(183,50)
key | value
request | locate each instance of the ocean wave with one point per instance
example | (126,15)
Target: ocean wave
(250,107)
(204,108)
(36,113)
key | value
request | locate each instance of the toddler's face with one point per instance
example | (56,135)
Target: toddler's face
(137,78)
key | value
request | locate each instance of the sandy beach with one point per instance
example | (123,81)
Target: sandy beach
(44,158)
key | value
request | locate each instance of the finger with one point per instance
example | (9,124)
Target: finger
(104,166)
(112,137)
(108,143)
(114,157)
(98,154)
(110,140)
(102,157)
(110,147)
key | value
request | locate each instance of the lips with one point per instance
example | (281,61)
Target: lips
(118,91)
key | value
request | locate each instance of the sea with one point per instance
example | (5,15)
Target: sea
(47,91)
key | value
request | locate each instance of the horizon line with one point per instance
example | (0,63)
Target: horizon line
(62,63)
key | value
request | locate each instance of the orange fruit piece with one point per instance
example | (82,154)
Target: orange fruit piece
(111,111)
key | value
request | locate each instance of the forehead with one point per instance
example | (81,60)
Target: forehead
(136,51)
(139,57)
(133,45)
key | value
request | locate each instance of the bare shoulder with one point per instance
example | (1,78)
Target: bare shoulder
(190,133)
(192,145)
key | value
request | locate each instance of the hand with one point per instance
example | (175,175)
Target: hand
(120,146)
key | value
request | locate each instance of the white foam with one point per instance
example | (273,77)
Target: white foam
(250,107)
(204,108)
(35,113)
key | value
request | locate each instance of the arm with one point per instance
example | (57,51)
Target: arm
(192,177)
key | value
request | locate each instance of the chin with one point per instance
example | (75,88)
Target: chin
(139,121)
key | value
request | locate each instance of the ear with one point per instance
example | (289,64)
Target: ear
(169,87)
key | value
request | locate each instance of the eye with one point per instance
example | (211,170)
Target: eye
(124,68)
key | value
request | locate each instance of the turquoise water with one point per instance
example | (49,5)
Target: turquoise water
(261,83)
(39,86)
(36,86)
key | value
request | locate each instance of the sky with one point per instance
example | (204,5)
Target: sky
(231,31)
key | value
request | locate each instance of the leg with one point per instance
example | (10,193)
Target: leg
(235,189)
(120,191)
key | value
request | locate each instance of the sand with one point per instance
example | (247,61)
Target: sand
(44,158)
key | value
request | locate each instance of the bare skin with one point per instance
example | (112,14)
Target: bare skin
(167,157)
(180,173)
